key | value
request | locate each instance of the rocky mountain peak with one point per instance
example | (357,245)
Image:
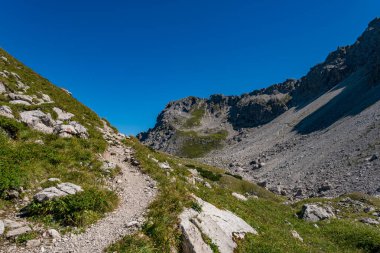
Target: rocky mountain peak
(276,121)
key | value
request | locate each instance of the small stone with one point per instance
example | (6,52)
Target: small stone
(13,194)
(54,179)
(207,184)
(296,235)
(164,165)
(33,243)
(133,224)
(54,234)
(239,196)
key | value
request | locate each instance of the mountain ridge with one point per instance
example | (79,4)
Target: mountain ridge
(343,86)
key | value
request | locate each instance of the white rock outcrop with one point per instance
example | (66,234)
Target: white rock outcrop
(2,88)
(19,102)
(239,196)
(21,97)
(164,165)
(38,120)
(62,115)
(81,130)
(6,111)
(18,231)
(221,226)
(56,192)
(314,213)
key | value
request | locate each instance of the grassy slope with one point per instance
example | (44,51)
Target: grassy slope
(27,165)
(195,119)
(272,219)
(196,145)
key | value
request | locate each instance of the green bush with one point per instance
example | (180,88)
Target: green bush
(209,174)
(11,127)
(78,210)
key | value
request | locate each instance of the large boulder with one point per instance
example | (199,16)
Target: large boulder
(61,114)
(81,130)
(71,129)
(65,131)
(38,120)
(221,226)
(61,190)
(6,111)
(314,213)
(192,236)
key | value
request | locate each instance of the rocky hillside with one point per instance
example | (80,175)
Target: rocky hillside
(60,168)
(70,183)
(315,136)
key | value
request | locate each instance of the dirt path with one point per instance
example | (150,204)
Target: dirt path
(135,191)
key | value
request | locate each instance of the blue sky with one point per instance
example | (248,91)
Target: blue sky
(127,59)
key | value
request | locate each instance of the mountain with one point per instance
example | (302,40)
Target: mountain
(69,182)
(316,136)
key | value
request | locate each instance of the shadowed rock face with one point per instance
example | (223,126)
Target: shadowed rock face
(281,124)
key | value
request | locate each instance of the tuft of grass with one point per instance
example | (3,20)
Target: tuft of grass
(77,210)
(138,243)
(196,206)
(208,174)
(195,145)
(21,239)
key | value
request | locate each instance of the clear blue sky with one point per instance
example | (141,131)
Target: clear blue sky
(127,59)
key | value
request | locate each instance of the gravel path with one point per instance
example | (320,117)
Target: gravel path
(135,191)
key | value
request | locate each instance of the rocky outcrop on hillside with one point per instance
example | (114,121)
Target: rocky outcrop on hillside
(222,227)
(306,137)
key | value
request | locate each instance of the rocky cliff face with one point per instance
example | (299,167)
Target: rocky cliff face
(303,137)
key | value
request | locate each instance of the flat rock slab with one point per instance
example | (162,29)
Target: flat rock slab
(18,231)
(221,226)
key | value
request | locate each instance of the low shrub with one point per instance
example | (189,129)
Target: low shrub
(208,174)
(78,210)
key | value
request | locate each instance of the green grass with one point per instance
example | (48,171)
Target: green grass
(22,239)
(213,176)
(195,145)
(268,215)
(79,210)
(195,118)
